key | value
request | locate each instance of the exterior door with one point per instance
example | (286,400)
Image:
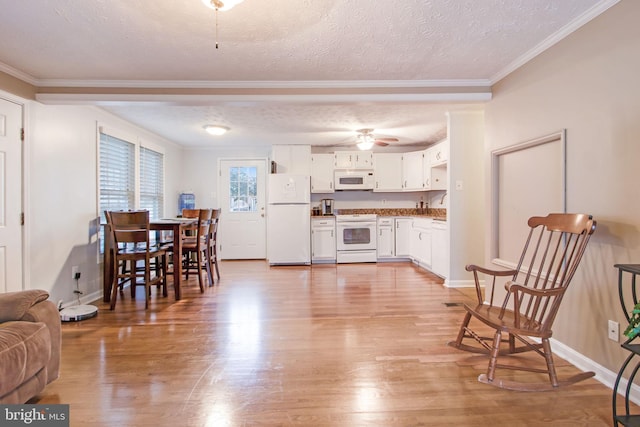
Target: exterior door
(10,196)
(242,232)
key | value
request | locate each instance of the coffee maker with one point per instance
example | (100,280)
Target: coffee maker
(327,206)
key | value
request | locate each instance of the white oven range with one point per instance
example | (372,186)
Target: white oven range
(356,238)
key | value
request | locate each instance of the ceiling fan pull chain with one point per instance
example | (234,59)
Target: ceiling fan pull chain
(216,27)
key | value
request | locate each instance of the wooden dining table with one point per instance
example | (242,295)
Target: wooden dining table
(175,226)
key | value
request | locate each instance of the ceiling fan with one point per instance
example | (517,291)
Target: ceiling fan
(366,139)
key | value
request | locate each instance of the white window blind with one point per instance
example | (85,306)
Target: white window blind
(152,182)
(117,174)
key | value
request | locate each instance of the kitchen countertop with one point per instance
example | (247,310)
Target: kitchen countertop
(437,214)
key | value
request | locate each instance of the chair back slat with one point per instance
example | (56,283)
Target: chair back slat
(551,255)
(129,228)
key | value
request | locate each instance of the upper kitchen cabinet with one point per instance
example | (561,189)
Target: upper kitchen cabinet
(353,160)
(387,169)
(322,173)
(437,166)
(413,171)
(295,159)
(439,153)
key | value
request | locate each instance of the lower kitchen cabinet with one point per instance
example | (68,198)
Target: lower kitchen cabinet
(440,249)
(323,240)
(386,238)
(403,237)
(421,241)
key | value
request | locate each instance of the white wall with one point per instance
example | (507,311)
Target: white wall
(201,176)
(588,84)
(61,214)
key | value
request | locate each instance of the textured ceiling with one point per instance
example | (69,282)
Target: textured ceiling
(384,48)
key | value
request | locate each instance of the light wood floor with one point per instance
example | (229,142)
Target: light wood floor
(346,345)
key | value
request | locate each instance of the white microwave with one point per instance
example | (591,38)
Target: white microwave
(354,179)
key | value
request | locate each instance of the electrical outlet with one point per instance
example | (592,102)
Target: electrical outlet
(614,330)
(75,272)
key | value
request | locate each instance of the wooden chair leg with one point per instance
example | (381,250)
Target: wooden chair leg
(548,357)
(114,287)
(199,261)
(208,265)
(495,351)
(215,257)
(147,288)
(461,332)
(163,271)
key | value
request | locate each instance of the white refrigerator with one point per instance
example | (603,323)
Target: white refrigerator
(289,219)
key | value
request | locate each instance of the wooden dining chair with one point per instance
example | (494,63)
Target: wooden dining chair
(134,254)
(212,244)
(194,247)
(535,289)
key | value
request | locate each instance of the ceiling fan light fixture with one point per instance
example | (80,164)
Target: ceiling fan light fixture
(221,4)
(365,145)
(216,130)
(366,141)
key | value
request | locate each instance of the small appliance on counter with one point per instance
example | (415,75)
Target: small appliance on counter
(326,205)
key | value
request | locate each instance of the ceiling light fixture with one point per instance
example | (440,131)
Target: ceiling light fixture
(220,5)
(216,130)
(366,141)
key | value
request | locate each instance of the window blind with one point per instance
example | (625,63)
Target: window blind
(117,174)
(152,182)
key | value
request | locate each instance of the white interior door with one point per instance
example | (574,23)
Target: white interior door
(10,196)
(242,232)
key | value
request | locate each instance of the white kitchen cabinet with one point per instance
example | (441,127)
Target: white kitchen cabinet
(421,241)
(323,240)
(440,249)
(412,171)
(386,237)
(438,180)
(322,173)
(354,160)
(426,170)
(403,237)
(387,169)
(439,153)
(294,159)
(438,158)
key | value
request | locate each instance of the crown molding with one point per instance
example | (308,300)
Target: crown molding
(262,84)
(197,99)
(554,38)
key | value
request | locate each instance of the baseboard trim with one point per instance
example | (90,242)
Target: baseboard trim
(459,283)
(603,375)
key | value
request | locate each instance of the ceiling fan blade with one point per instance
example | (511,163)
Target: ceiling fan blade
(387,139)
(380,143)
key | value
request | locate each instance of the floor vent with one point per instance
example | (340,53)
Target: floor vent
(453,304)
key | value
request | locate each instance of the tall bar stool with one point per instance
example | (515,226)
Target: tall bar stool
(131,245)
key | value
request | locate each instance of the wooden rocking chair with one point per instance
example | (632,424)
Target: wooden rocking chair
(548,262)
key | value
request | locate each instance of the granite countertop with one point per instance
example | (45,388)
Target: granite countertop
(437,214)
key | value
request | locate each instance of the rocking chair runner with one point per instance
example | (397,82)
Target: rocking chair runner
(548,262)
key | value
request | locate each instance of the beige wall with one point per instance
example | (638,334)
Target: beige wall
(588,84)
(16,86)
(61,188)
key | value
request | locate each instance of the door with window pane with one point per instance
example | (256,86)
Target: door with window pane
(242,232)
